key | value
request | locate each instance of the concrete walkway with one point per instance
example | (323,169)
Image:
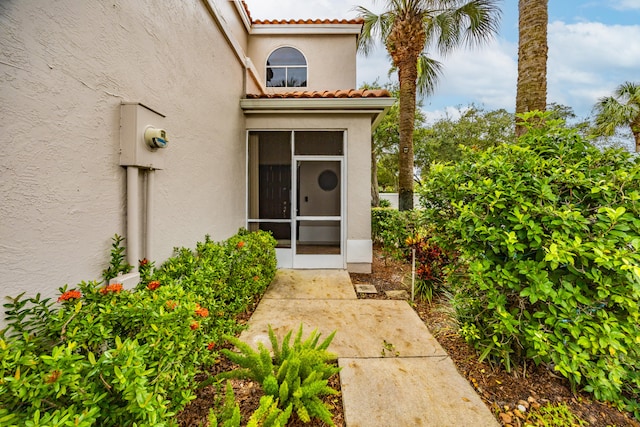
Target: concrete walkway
(394,373)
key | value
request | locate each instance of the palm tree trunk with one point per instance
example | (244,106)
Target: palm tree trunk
(375,194)
(635,131)
(532,58)
(407,75)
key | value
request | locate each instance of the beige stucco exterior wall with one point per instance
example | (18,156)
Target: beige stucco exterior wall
(230,13)
(331,58)
(358,166)
(65,67)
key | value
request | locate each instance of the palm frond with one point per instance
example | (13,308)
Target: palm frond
(454,23)
(630,92)
(610,114)
(374,28)
(429,71)
(621,109)
(483,19)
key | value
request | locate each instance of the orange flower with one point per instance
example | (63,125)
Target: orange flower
(144,261)
(73,294)
(171,305)
(114,287)
(256,278)
(211,346)
(240,244)
(153,285)
(201,311)
(50,379)
(194,325)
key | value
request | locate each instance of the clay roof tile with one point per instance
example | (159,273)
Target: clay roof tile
(305,21)
(341,93)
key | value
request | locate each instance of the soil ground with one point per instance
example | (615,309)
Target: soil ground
(506,394)
(502,392)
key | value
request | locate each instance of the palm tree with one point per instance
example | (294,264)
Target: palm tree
(622,109)
(532,58)
(408,28)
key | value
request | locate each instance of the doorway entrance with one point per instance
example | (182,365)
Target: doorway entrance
(296,191)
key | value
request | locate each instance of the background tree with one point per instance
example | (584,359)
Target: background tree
(408,28)
(532,58)
(384,146)
(621,109)
(471,126)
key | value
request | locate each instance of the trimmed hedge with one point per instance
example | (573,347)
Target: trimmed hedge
(550,229)
(104,356)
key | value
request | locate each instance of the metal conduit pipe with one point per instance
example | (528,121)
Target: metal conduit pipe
(148,243)
(133,217)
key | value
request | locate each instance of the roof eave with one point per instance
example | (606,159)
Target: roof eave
(376,107)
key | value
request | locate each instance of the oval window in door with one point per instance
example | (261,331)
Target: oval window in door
(328,180)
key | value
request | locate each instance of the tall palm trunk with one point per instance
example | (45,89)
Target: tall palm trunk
(532,58)
(407,74)
(375,192)
(404,44)
(635,130)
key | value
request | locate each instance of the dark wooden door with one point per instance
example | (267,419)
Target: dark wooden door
(275,198)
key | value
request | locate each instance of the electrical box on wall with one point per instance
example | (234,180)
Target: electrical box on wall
(143,140)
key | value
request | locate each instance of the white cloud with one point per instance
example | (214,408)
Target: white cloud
(485,76)
(588,60)
(626,4)
(453,113)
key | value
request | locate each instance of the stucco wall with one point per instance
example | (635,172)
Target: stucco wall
(331,59)
(65,67)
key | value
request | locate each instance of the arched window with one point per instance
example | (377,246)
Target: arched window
(286,67)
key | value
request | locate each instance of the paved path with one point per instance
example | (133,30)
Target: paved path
(394,373)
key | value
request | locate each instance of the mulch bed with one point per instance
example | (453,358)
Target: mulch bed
(502,392)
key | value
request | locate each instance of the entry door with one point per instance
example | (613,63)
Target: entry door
(295,190)
(318,216)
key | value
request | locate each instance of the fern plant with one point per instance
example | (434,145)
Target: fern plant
(269,414)
(297,376)
(230,413)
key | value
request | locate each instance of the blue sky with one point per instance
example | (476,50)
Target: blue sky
(594,45)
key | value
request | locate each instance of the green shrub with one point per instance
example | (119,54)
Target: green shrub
(391,228)
(107,356)
(550,229)
(118,263)
(384,203)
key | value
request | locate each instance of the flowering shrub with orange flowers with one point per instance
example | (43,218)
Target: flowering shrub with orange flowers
(102,355)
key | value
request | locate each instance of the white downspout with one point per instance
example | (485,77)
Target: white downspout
(148,242)
(133,217)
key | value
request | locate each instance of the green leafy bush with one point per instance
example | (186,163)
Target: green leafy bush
(118,263)
(103,355)
(295,378)
(391,228)
(550,228)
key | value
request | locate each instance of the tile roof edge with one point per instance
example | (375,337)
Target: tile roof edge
(355,21)
(327,94)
